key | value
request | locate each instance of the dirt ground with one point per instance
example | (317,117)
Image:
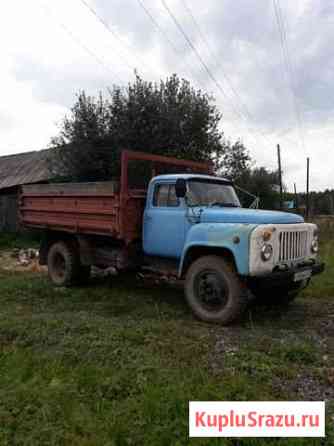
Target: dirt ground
(9,261)
(301,337)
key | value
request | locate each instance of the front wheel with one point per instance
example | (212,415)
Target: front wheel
(213,290)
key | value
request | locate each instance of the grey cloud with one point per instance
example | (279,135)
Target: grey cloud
(126,19)
(57,85)
(245,41)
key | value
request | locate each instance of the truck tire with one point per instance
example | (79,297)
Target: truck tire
(214,291)
(63,264)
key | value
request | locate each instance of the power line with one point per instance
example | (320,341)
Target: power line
(164,34)
(158,27)
(119,54)
(293,77)
(289,69)
(115,34)
(211,54)
(99,60)
(203,63)
(199,57)
(189,11)
(285,57)
(243,107)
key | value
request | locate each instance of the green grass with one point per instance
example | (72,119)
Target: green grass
(12,240)
(323,285)
(115,363)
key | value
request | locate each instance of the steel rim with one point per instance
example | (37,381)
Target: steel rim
(211,291)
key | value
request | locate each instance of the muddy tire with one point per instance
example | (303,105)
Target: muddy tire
(63,264)
(214,291)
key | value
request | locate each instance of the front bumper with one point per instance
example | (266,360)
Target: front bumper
(277,278)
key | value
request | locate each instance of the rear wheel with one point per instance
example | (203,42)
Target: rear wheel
(213,290)
(63,264)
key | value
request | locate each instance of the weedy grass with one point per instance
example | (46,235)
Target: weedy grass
(323,285)
(116,362)
(12,240)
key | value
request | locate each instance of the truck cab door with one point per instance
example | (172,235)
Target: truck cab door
(164,222)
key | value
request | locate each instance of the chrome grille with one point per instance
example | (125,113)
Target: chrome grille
(292,245)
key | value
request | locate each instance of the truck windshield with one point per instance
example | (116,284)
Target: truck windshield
(211,193)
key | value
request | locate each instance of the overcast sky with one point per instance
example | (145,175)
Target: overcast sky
(52,49)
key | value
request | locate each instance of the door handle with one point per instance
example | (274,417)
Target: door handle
(147,218)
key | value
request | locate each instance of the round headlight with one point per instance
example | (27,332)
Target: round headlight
(315,246)
(266,252)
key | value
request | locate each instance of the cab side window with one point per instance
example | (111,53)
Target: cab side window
(165,196)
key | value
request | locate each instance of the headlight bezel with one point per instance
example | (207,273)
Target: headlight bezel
(315,246)
(267,252)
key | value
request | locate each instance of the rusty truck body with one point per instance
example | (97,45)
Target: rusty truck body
(191,223)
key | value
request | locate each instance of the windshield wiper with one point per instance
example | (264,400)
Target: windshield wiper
(230,205)
(227,205)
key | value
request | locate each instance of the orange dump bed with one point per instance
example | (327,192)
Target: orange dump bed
(105,208)
(87,208)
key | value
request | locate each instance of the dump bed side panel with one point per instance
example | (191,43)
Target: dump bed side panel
(86,208)
(91,188)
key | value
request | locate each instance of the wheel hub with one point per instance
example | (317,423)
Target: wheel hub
(211,291)
(59,265)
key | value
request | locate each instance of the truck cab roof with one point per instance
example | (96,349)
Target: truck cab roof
(190,176)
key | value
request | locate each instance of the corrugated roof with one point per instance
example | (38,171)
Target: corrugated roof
(24,168)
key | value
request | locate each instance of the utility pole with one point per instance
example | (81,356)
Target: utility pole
(280,176)
(308,188)
(296,196)
(331,204)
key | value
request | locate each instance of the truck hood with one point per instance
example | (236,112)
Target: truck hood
(251,216)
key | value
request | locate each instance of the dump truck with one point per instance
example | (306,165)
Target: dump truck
(190,224)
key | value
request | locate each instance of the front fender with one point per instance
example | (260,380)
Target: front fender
(230,236)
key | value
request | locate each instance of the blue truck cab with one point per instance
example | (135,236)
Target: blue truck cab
(226,253)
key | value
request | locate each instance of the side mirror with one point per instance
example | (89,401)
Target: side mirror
(180,188)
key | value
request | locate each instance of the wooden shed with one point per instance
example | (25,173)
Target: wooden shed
(15,171)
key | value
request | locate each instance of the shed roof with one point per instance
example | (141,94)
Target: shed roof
(24,168)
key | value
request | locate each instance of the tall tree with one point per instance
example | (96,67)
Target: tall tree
(170,118)
(234,161)
(260,182)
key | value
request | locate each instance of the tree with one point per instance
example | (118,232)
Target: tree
(235,160)
(260,181)
(321,203)
(170,118)
(80,148)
